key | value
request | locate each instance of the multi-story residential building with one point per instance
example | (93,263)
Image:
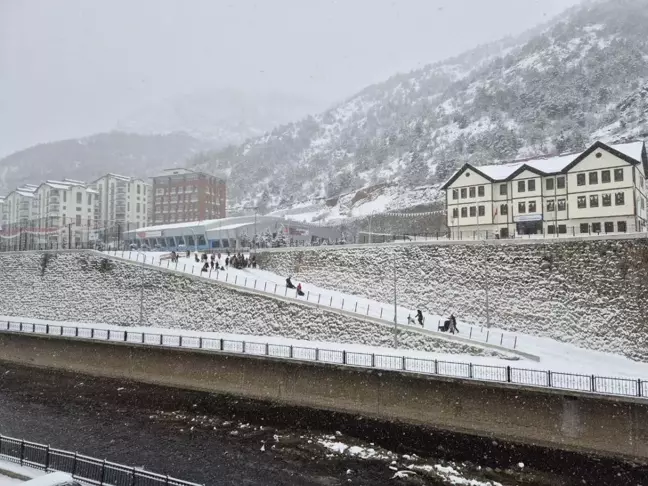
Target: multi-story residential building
(123,201)
(66,202)
(601,190)
(21,205)
(183,195)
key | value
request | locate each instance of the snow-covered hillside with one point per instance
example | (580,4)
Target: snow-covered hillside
(549,91)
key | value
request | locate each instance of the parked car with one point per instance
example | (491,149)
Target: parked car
(54,479)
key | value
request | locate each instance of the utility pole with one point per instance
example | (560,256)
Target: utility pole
(486,288)
(141,307)
(395,306)
(69,236)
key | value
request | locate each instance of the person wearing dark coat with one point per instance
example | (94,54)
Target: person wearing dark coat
(289,283)
(453,324)
(419,317)
(196,257)
(226,262)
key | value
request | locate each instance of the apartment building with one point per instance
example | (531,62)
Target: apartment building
(122,201)
(601,190)
(184,195)
(20,206)
(61,203)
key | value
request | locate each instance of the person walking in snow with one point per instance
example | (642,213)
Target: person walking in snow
(188,253)
(419,317)
(453,324)
(300,292)
(227,262)
(196,257)
(410,320)
(212,261)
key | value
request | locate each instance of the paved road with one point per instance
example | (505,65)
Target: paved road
(218,440)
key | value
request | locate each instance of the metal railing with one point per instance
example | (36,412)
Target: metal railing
(503,374)
(86,469)
(383,312)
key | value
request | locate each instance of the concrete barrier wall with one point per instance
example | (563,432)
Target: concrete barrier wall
(571,421)
(82,286)
(589,291)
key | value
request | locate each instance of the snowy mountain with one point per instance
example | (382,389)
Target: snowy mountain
(90,157)
(222,116)
(580,77)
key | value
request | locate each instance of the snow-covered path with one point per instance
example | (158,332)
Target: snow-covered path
(271,283)
(554,355)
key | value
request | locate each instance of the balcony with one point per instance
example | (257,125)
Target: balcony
(53,200)
(53,208)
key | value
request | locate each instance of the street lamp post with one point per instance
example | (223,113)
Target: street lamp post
(395,306)
(193,232)
(141,306)
(370,219)
(486,288)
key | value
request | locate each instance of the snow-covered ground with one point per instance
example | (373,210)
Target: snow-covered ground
(271,283)
(554,355)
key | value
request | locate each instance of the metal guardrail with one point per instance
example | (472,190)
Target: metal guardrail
(378,311)
(84,468)
(501,374)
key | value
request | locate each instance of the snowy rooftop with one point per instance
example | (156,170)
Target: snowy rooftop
(554,164)
(188,224)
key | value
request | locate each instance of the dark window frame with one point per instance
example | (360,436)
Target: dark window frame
(606,200)
(533,207)
(481,191)
(592,178)
(560,182)
(593,201)
(522,207)
(472,192)
(521,186)
(618,175)
(503,189)
(531,185)
(504,209)
(580,179)
(606,176)
(581,202)
(549,184)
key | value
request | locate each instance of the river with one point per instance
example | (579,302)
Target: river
(220,440)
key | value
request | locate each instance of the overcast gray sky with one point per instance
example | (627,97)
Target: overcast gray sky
(74,67)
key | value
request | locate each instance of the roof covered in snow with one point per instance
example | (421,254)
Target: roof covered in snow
(632,152)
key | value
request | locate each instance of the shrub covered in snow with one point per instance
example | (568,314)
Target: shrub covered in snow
(590,292)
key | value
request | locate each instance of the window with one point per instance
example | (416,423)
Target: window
(521,186)
(503,190)
(580,179)
(139,189)
(79,197)
(584,228)
(619,199)
(504,209)
(593,177)
(455,194)
(562,229)
(89,199)
(618,175)
(606,199)
(481,210)
(78,218)
(521,207)
(581,202)
(550,185)
(531,185)
(609,227)
(464,212)
(551,205)
(463,193)
(605,176)
(596,227)
(551,229)
(594,201)
(562,204)
(455,213)
(473,211)
(137,207)
(560,184)
(64,196)
(64,219)
(643,203)
(621,226)
(481,191)
(471,192)
(532,206)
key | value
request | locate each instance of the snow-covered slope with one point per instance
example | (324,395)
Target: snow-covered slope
(546,92)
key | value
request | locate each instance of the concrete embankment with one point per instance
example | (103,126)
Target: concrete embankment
(607,426)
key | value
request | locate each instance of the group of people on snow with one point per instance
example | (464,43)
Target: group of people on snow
(290,285)
(449,325)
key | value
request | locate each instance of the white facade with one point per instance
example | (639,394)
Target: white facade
(601,190)
(123,201)
(64,203)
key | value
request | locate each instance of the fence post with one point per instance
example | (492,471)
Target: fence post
(342,304)
(501,339)
(133,476)
(470,370)
(200,342)
(381,311)
(593,383)
(639,391)
(143,334)
(255,281)
(286,292)
(373,360)
(74,465)
(318,298)
(103,473)
(404,367)
(92,333)
(436,367)
(125,335)
(344,359)
(180,341)
(549,380)
(267,349)
(108,335)
(245,283)
(331,302)
(367,309)
(291,351)
(264,286)
(356,307)
(487,334)
(515,343)
(243,348)
(470,336)
(316,354)
(47,458)
(161,339)
(46,328)
(222,344)
(508,374)
(22,451)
